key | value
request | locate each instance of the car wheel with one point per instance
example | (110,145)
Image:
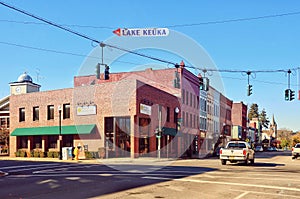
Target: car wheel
(223,162)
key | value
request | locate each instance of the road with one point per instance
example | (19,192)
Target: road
(274,175)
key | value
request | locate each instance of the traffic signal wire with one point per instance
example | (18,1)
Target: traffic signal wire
(144,55)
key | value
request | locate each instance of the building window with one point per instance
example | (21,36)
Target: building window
(66,111)
(182,119)
(36,113)
(183,96)
(187,97)
(50,112)
(191,99)
(21,114)
(168,114)
(191,120)
(187,119)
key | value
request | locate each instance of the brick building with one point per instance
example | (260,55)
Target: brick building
(120,114)
(239,120)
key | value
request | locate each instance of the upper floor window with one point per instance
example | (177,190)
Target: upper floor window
(36,113)
(187,97)
(66,111)
(183,96)
(168,114)
(21,114)
(50,112)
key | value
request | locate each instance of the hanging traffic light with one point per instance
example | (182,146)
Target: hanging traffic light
(206,83)
(201,85)
(106,72)
(287,94)
(249,89)
(97,71)
(292,95)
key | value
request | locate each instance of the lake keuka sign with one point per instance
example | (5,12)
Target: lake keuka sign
(142,32)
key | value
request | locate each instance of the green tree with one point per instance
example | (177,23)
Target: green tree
(253,112)
(264,120)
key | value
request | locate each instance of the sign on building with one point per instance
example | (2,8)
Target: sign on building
(86,110)
(145,109)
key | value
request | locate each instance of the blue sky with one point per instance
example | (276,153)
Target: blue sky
(262,44)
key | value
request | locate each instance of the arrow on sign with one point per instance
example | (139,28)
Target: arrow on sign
(117,32)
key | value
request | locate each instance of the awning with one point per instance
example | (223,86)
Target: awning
(170,131)
(54,130)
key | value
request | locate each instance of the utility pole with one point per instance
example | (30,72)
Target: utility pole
(159,130)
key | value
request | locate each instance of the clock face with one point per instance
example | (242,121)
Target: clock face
(18,89)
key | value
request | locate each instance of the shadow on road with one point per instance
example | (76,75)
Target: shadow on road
(29,179)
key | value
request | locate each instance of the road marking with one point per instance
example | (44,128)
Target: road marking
(272,194)
(24,166)
(242,195)
(225,183)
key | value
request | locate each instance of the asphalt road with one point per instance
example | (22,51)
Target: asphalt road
(274,175)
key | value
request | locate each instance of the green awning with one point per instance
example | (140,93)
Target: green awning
(170,131)
(54,130)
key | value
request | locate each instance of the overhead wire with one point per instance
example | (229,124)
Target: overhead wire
(152,57)
(168,26)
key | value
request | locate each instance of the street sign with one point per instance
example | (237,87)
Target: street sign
(142,32)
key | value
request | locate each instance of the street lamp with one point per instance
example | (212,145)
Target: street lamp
(59,131)
(176,118)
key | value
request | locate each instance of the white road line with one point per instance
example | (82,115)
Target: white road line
(272,194)
(24,166)
(242,195)
(226,183)
(246,177)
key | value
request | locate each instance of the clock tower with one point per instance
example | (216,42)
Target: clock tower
(23,85)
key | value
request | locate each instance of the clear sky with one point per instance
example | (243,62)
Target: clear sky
(268,43)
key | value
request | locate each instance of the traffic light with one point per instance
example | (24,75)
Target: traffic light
(97,71)
(106,72)
(287,94)
(206,83)
(201,85)
(292,95)
(249,89)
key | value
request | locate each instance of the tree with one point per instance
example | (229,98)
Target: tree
(296,138)
(264,120)
(253,112)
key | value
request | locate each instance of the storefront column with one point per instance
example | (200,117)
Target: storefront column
(44,143)
(58,144)
(133,142)
(29,145)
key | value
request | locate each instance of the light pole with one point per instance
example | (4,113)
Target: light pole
(59,130)
(176,118)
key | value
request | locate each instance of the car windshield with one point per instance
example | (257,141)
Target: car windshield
(297,146)
(237,145)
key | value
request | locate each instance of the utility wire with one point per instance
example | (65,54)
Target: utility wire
(234,20)
(148,56)
(49,22)
(169,26)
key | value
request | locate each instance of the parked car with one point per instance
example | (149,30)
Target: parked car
(259,149)
(272,148)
